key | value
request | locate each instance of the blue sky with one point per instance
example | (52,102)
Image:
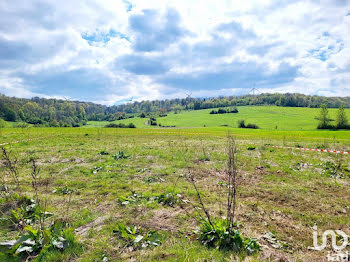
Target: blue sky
(107,51)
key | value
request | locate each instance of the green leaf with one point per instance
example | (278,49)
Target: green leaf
(22,239)
(31,230)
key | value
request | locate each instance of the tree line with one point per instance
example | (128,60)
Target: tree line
(287,100)
(56,112)
(48,112)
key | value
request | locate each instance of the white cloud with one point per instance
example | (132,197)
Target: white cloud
(286,46)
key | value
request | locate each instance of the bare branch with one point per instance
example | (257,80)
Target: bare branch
(231,174)
(190,178)
(11,163)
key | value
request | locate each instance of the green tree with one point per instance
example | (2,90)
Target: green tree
(81,112)
(342,121)
(21,114)
(177,109)
(10,115)
(197,105)
(54,123)
(30,110)
(51,113)
(324,120)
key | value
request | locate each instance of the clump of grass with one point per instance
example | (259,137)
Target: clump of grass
(219,235)
(168,199)
(335,170)
(63,190)
(153,179)
(27,213)
(96,169)
(104,152)
(40,242)
(120,155)
(133,198)
(136,237)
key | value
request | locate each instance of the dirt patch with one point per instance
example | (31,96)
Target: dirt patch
(164,219)
(55,160)
(269,254)
(248,178)
(97,224)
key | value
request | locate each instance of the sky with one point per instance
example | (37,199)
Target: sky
(114,51)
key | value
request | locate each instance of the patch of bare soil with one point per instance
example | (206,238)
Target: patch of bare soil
(164,219)
(105,208)
(202,162)
(247,178)
(270,254)
(55,160)
(97,224)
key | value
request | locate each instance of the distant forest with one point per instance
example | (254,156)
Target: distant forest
(54,112)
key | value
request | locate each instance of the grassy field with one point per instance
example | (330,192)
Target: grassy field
(282,192)
(266,117)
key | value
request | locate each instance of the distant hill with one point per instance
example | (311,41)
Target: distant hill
(56,112)
(265,117)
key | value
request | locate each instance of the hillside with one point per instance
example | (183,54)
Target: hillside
(266,117)
(63,113)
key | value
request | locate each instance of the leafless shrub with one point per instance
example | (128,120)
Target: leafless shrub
(41,202)
(11,164)
(231,176)
(35,176)
(35,170)
(232,184)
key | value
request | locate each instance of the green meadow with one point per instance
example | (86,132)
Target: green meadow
(266,117)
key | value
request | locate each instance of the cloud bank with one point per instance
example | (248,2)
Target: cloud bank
(107,51)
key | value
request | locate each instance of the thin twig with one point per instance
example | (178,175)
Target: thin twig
(35,176)
(231,173)
(11,165)
(200,199)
